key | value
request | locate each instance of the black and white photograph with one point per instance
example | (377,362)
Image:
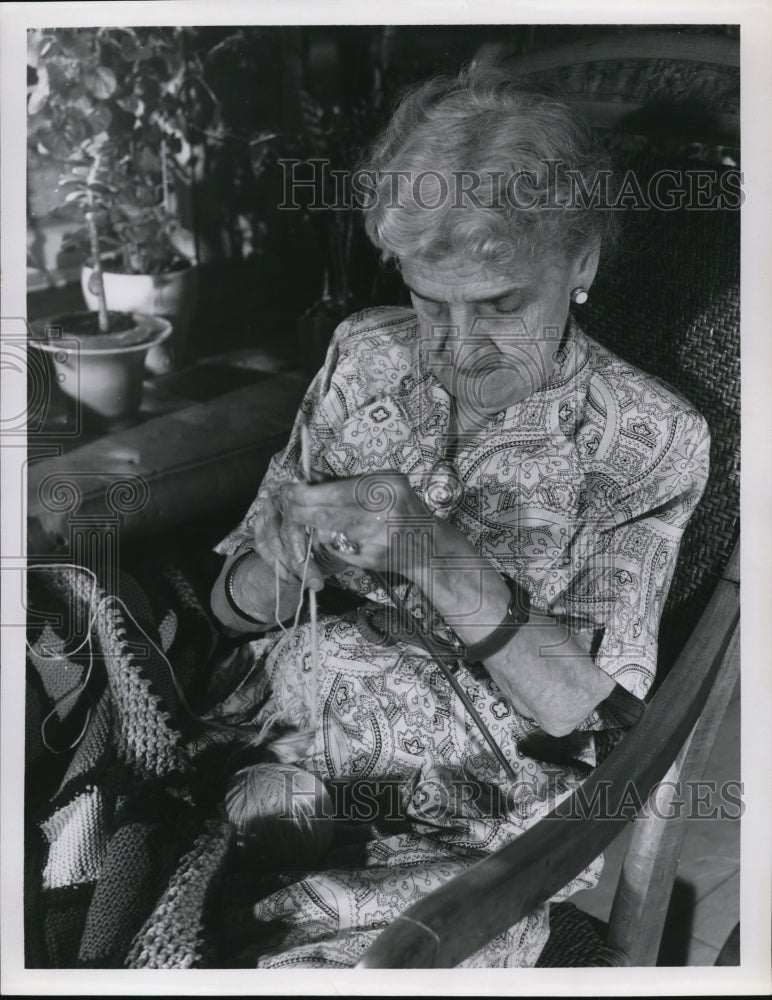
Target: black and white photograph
(371,439)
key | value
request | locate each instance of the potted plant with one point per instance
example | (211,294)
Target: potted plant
(100,354)
(102,369)
(119,90)
(147,260)
(149,93)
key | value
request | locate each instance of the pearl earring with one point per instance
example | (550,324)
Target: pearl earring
(579,295)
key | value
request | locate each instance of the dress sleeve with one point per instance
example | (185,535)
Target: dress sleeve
(624,555)
(285,465)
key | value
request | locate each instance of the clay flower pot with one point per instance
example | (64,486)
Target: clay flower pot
(103,371)
(172,294)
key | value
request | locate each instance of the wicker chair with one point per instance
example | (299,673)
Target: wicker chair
(668,301)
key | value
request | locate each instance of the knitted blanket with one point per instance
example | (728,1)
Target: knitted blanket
(125,861)
(128,859)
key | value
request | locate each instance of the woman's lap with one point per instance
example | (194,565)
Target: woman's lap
(391,734)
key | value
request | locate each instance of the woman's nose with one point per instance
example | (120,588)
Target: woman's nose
(446,336)
(461,319)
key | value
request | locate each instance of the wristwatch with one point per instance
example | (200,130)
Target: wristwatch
(516,616)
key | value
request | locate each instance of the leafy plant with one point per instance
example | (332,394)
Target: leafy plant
(138,225)
(126,113)
(105,106)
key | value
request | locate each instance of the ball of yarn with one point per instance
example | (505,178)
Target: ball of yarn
(283,815)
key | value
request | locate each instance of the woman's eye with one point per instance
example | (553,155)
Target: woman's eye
(508,306)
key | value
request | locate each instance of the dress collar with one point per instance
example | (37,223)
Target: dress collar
(570,360)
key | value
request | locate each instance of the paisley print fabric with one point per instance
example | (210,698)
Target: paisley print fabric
(581,493)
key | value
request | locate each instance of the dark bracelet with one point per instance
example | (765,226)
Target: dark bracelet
(516,616)
(231,596)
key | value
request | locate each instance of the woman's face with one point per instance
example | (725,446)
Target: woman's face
(491,337)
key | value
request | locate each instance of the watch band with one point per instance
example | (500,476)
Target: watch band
(230,594)
(516,616)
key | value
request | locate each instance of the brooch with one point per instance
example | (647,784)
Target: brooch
(443,488)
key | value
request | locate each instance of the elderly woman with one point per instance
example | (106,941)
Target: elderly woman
(522,489)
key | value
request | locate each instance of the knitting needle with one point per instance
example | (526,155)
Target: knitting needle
(305,468)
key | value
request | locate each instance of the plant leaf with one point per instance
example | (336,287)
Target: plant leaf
(129,103)
(78,44)
(34,41)
(100,188)
(63,74)
(101,81)
(49,42)
(68,179)
(101,117)
(129,48)
(38,98)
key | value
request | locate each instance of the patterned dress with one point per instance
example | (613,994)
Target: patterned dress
(581,493)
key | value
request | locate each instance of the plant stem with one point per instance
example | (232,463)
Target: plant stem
(104,319)
(164,177)
(185,34)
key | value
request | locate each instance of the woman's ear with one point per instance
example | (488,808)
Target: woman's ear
(585,266)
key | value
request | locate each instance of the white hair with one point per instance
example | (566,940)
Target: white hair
(482,124)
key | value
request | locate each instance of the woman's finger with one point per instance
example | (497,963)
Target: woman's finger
(295,541)
(273,552)
(300,543)
(322,518)
(327,559)
(268,541)
(330,493)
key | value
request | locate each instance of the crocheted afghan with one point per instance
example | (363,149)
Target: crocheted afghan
(125,860)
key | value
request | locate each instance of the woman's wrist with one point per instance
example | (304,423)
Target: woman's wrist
(465,588)
(542,670)
(235,588)
(549,675)
(250,585)
(256,584)
(228,599)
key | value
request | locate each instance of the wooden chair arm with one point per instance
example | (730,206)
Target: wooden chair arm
(460,917)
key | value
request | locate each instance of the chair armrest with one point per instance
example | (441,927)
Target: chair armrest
(457,919)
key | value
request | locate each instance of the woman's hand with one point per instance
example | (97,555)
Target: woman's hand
(372,512)
(282,542)
(545,672)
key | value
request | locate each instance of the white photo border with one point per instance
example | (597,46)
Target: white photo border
(753,975)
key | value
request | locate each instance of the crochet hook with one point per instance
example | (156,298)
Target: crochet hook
(305,468)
